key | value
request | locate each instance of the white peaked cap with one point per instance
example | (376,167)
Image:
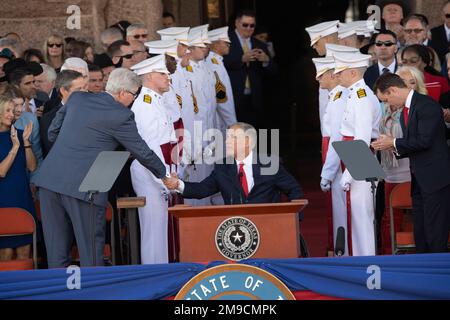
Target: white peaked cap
(368,28)
(219,34)
(195,39)
(337,48)
(154,64)
(168,47)
(322,30)
(350,61)
(348,29)
(204,31)
(323,65)
(175,33)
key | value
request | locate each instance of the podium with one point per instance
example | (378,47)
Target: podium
(194,230)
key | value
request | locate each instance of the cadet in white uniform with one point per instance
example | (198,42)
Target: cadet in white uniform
(321,34)
(331,165)
(171,100)
(202,115)
(220,46)
(361,121)
(155,128)
(182,88)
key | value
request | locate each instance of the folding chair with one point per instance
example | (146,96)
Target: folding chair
(400,198)
(18,222)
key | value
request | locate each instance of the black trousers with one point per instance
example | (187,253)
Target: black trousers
(431,218)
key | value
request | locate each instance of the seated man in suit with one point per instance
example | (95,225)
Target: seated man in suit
(241,177)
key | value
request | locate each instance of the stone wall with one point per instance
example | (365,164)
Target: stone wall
(35,20)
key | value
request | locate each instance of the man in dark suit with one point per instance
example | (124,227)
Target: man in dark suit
(385,50)
(440,35)
(67,82)
(424,143)
(246,64)
(92,123)
(242,177)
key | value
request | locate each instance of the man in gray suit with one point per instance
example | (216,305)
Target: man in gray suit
(93,122)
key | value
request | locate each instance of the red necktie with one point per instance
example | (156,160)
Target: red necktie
(405,115)
(243,179)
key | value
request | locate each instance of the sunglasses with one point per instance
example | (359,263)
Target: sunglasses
(51,45)
(137,36)
(127,56)
(416,31)
(385,43)
(447,15)
(248,25)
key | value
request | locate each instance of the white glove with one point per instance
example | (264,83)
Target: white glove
(346,180)
(325,185)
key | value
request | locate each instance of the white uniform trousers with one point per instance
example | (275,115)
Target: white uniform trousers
(362,215)
(339,208)
(153,217)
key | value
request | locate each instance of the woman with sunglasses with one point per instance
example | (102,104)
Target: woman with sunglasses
(54,52)
(418,56)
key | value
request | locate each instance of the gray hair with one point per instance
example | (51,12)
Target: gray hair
(110,33)
(50,73)
(135,26)
(122,79)
(76,64)
(65,79)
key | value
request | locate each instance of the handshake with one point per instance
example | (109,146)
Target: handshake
(171,183)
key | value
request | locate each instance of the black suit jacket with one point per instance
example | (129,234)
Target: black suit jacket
(225,179)
(439,41)
(372,74)
(424,143)
(238,71)
(44,124)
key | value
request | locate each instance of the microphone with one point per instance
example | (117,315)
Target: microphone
(339,249)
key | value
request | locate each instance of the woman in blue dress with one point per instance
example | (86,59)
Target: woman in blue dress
(16,157)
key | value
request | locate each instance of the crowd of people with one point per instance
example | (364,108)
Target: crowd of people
(388,87)
(64,104)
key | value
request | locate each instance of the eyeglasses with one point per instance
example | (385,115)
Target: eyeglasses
(416,31)
(52,45)
(385,43)
(137,36)
(133,94)
(248,25)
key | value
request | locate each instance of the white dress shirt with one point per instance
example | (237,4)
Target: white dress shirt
(391,67)
(407,106)
(248,169)
(447,32)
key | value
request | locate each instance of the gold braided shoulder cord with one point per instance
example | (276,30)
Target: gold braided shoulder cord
(194,99)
